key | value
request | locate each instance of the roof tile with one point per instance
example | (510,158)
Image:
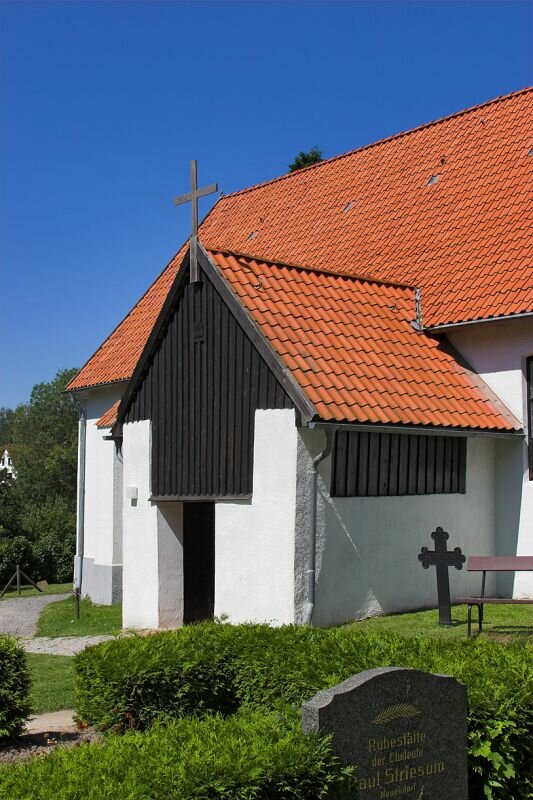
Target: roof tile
(465,241)
(376,371)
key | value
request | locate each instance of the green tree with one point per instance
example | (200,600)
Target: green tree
(44,435)
(52,525)
(38,509)
(306,158)
(10,507)
(6,419)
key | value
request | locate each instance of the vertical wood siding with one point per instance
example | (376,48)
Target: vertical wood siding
(201,390)
(393,464)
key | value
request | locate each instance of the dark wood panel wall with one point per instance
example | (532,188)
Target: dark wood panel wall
(393,464)
(201,390)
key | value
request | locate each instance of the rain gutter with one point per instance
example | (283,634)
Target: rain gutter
(450,326)
(417,430)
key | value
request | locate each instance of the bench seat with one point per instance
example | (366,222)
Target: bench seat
(486,564)
(493,600)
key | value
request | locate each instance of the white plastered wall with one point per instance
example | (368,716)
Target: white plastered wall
(102,562)
(367,548)
(152,541)
(498,351)
(254,540)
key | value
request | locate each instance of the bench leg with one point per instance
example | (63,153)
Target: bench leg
(479,607)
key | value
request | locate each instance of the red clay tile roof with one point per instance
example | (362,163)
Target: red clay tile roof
(351,347)
(116,358)
(108,419)
(464,237)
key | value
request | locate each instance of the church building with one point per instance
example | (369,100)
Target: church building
(340,361)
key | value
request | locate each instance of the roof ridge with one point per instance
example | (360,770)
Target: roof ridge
(399,135)
(305,268)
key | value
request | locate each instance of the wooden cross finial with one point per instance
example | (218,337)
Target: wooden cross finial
(192,197)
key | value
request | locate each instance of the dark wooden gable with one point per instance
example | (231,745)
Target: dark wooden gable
(200,387)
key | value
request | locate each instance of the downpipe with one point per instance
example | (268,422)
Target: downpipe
(80,515)
(311,567)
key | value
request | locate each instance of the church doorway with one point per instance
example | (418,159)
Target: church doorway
(198,561)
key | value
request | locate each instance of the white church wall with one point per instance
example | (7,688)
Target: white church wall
(152,541)
(139,523)
(102,563)
(498,351)
(170,560)
(367,548)
(254,540)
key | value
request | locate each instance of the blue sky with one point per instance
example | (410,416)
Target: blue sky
(103,104)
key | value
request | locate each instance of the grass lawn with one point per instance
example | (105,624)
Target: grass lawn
(52,682)
(502,623)
(59,619)
(29,591)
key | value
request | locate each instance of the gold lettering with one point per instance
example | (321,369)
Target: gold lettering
(371,782)
(389,774)
(397,775)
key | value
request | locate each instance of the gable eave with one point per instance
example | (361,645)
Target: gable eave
(149,348)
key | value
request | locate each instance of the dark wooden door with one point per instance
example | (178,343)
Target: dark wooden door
(198,561)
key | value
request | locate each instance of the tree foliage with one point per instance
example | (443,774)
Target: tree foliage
(306,158)
(10,506)
(44,436)
(38,509)
(6,418)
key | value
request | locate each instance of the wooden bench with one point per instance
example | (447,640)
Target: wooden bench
(486,564)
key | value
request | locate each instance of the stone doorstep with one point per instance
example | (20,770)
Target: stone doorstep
(52,722)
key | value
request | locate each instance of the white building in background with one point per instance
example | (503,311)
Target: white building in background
(353,368)
(6,463)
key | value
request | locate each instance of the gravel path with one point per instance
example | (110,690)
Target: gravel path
(19,617)
(44,732)
(31,744)
(62,645)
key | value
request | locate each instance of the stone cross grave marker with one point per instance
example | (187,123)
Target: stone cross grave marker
(442,558)
(403,730)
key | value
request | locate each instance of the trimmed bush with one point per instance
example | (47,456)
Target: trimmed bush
(250,756)
(128,683)
(218,668)
(15,706)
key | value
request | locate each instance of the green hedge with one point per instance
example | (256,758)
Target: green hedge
(217,668)
(250,756)
(15,706)
(127,683)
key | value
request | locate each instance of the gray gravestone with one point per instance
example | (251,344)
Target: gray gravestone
(404,731)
